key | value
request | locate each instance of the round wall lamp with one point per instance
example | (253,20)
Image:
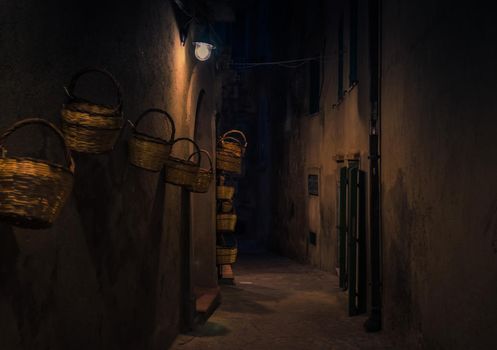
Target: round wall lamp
(203,42)
(203,50)
(202,33)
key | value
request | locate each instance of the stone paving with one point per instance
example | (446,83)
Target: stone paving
(279,304)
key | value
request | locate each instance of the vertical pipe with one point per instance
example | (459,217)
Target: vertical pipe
(361,245)
(373,324)
(342,227)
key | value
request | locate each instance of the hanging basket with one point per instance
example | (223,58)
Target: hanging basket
(33,191)
(225,192)
(148,152)
(226,222)
(226,255)
(90,127)
(230,151)
(183,172)
(204,176)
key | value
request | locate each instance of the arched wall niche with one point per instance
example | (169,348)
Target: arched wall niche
(201,112)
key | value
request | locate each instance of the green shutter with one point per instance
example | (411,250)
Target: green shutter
(342,228)
(352,239)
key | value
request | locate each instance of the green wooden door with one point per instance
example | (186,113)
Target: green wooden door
(342,228)
(352,238)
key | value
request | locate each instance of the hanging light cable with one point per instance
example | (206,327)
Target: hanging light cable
(295,63)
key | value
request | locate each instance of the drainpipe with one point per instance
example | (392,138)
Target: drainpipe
(373,324)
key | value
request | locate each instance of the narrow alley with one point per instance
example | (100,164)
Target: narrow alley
(280,304)
(248,175)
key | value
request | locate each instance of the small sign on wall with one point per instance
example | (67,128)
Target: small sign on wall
(313,184)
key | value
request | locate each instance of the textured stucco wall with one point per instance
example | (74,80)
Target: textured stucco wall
(108,274)
(203,105)
(438,162)
(310,143)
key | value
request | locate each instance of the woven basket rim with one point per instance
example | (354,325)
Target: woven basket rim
(225,216)
(234,142)
(119,127)
(172,160)
(75,102)
(145,137)
(38,161)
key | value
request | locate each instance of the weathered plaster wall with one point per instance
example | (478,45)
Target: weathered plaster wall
(438,162)
(108,274)
(202,105)
(310,143)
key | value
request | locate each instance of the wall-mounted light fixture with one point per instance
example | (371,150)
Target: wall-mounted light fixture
(203,42)
(203,50)
(202,36)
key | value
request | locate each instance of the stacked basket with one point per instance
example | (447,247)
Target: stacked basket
(230,151)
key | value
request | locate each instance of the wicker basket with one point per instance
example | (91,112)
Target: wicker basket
(148,152)
(33,191)
(89,127)
(225,192)
(183,172)
(226,206)
(230,151)
(228,162)
(235,145)
(226,255)
(204,176)
(226,222)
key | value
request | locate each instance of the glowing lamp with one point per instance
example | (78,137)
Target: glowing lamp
(203,41)
(203,50)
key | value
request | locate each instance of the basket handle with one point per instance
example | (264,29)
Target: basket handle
(160,111)
(238,132)
(197,149)
(25,122)
(72,85)
(229,138)
(208,157)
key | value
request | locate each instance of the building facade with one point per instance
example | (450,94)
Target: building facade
(435,115)
(119,268)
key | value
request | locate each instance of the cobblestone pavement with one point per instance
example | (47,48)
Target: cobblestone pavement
(279,304)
